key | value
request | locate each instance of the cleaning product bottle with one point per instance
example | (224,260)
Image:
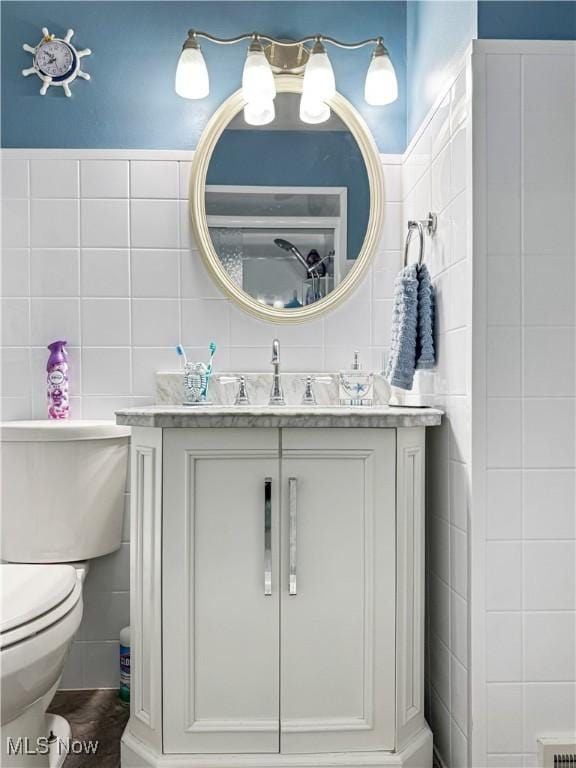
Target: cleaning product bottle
(57,381)
(124,690)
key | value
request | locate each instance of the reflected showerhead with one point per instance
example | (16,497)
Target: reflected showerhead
(286,245)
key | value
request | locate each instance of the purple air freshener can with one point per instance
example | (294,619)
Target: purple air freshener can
(57,381)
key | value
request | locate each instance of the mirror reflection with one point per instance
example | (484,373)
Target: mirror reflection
(287,205)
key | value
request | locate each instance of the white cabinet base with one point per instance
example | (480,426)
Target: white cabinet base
(213,507)
(416,754)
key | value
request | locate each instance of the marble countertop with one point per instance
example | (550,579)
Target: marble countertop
(173,416)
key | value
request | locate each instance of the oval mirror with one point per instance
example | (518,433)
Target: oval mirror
(287,215)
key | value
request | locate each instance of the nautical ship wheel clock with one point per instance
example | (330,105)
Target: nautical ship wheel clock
(56,61)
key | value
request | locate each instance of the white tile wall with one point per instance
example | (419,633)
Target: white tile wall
(154,179)
(105,273)
(525,326)
(54,179)
(99,251)
(549,503)
(15,228)
(113,268)
(104,178)
(437,178)
(94,657)
(105,322)
(104,223)
(54,272)
(54,223)
(155,273)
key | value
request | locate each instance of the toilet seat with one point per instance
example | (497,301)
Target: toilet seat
(34,597)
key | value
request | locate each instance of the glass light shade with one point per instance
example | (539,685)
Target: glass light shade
(313,112)
(192,75)
(381,85)
(259,112)
(257,78)
(319,82)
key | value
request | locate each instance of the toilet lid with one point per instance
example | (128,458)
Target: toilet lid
(28,591)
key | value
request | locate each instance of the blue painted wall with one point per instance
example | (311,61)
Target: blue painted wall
(527,19)
(131,103)
(297,158)
(437,33)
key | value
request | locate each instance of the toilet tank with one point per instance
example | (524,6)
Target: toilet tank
(63,485)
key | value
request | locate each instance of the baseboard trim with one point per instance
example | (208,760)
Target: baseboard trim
(416,754)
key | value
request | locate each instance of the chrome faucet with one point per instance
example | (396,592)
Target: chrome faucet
(276,393)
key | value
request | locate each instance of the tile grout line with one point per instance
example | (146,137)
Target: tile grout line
(130,296)
(522,408)
(29,302)
(80,302)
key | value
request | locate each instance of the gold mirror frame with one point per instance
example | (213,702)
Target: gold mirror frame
(208,140)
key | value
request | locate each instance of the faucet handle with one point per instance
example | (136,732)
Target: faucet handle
(242,393)
(309,398)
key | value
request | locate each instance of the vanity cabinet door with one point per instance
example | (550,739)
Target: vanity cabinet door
(338,590)
(220,624)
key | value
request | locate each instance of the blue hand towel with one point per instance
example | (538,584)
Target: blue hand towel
(425,352)
(412,343)
(402,357)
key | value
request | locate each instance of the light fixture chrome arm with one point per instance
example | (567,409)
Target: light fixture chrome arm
(195,33)
(349,46)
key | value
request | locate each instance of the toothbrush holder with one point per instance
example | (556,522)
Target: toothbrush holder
(196,381)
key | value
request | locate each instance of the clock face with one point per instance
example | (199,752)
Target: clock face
(55,59)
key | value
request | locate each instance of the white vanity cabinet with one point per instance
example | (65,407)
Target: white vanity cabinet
(277,597)
(279,583)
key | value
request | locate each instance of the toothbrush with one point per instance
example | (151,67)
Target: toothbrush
(212,347)
(181,353)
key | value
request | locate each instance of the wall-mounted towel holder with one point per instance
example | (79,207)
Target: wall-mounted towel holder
(430,224)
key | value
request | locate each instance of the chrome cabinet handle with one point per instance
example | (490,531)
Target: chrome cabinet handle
(268,536)
(292,509)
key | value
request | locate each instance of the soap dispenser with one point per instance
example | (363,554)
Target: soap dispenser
(356,387)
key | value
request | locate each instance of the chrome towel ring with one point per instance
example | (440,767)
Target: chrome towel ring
(429,224)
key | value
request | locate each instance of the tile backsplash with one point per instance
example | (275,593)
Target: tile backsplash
(223,389)
(99,251)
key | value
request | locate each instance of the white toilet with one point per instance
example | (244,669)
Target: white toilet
(62,497)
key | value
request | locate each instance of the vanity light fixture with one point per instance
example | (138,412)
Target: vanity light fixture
(318,88)
(257,77)
(258,86)
(319,81)
(381,85)
(286,57)
(192,81)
